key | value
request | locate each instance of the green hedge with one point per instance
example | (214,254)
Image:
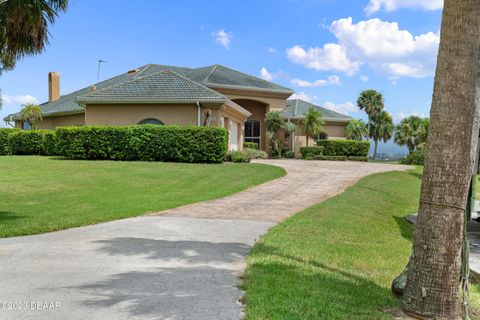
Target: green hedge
(310,152)
(416,157)
(4,147)
(32,142)
(144,143)
(250,145)
(357,158)
(332,158)
(348,148)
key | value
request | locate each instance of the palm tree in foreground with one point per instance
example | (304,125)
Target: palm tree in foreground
(32,114)
(381,129)
(312,122)
(412,132)
(370,101)
(356,130)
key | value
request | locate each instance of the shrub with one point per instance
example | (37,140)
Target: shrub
(250,145)
(30,142)
(344,148)
(255,154)
(332,158)
(144,143)
(357,158)
(416,157)
(4,148)
(310,152)
(50,143)
(238,157)
(289,154)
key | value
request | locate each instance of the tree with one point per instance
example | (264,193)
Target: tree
(371,101)
(32,114)
(433,274)
(356,130)
(412,132)
(291,128)
(312,122)
(381,128)
(274,122)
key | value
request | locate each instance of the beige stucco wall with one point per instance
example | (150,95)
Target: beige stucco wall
(126,114)
(258,111)
(62,121)
(274,101)
(335,130)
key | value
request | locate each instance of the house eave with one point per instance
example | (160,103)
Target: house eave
(150,101)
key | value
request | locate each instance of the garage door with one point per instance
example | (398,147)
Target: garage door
(233,135)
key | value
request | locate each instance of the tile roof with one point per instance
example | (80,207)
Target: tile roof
(162,87)
(296,108)
(215,76)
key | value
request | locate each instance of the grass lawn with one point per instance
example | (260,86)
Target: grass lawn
(41,194)
(336,260)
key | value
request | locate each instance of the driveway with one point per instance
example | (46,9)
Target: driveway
(182,263)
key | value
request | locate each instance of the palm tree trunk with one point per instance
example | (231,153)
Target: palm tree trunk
(433,277)
(307,140)
(375,150)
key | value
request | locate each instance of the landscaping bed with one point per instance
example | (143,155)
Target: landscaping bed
(42,194)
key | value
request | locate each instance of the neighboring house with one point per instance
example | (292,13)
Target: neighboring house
(168,95)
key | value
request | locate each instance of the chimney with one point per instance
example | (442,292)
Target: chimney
(53,86)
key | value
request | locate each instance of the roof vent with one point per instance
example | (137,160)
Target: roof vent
(94,88)
(133,70)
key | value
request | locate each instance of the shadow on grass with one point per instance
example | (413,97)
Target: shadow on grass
(405,227)
(7,215)
(415,174)
(288,287)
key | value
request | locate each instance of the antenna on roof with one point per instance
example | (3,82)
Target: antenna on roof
(98,70)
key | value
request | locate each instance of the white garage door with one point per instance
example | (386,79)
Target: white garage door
(233,135)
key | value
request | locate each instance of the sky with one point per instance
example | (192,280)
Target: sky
(327,51)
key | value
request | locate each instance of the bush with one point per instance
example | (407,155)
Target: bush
(289,154)
(309,152)
(332,158)
(143,143)
(50,143)
(250,145)
(348,148)
(4,147)
(31,142)
(357,158)
(255,154)
(416,157)
(238,157)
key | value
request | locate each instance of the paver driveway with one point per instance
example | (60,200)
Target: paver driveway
(179,264)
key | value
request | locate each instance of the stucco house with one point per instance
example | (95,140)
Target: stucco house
(168,95)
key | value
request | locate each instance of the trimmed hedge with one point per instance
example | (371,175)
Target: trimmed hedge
(357,158)
(332,158)
(309,153)
(143,143)
(4,147)
(250,145)
(32,142)
(348,148)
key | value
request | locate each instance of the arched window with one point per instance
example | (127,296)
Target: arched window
(252,131)
(151,121)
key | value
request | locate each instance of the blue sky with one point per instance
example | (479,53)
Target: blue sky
(326,50)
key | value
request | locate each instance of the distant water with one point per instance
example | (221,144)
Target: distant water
(389,147)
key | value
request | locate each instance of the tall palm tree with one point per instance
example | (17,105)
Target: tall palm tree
(291,128)
(381,129)
(356,130)
(312,122)
(371,101)
(32,114)
(412,132)
(434,274)
(24,27)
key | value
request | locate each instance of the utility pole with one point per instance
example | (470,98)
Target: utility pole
(98,70)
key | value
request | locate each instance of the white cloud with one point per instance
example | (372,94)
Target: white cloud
(364,78)
(302,96)
(272,50)
(392,5)
(21,99)
(395,52)
(331,56)
(265,74)
(343,108)
(331,80)
(223,38)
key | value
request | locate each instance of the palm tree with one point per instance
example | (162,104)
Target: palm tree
(381,129)
(291,128)
(412,132)
(312,122)
(32,114)
(274,122)
(371,101)
(434,274)
(24,27)
(356,130)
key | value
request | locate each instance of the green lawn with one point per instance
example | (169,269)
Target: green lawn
(336,260)
(41,194)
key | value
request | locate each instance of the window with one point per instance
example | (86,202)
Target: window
(151,121)
(252,131)
(26,125)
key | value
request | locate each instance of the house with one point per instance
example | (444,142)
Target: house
(168,95)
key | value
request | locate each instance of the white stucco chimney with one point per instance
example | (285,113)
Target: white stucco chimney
(53,86)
